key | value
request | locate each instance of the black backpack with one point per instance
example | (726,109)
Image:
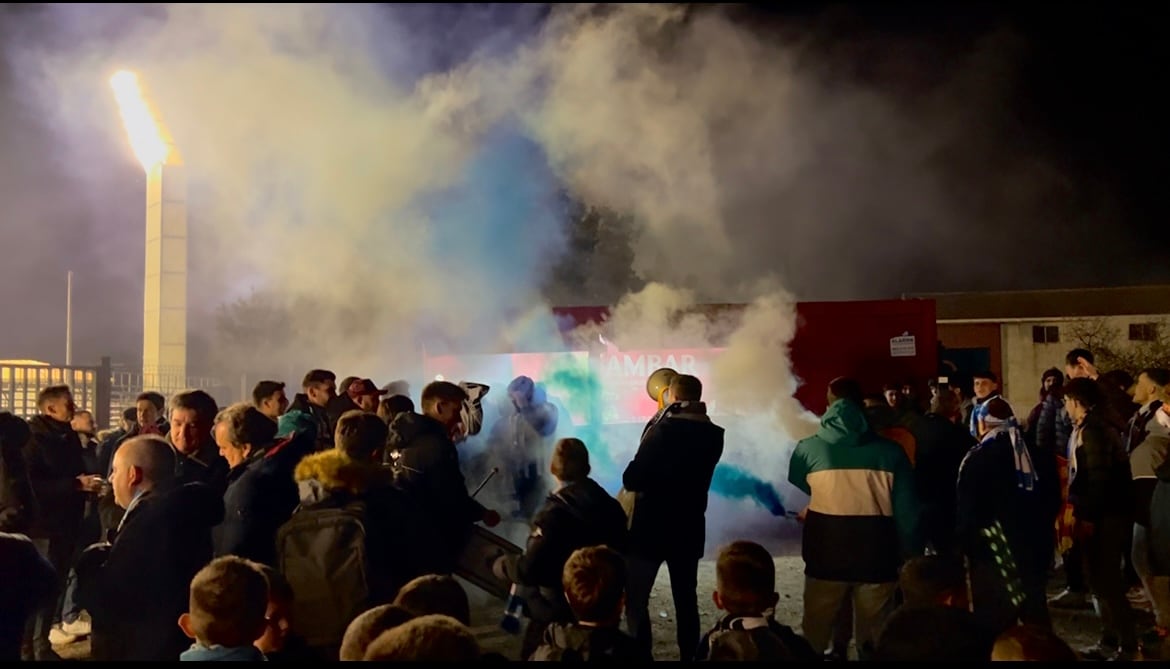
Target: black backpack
(322,553)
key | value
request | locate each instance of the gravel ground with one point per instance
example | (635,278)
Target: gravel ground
(781,537)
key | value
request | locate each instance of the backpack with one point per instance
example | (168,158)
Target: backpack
(322,553)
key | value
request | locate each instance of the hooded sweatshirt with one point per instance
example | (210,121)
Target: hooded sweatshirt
(863,512)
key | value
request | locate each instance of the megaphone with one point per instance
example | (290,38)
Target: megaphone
(658,383)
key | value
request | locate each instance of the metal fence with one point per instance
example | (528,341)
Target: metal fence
(104,389)
(21,381)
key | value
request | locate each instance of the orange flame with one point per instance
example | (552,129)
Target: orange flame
(147,137)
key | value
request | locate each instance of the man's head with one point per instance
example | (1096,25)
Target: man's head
(997,409)
(1148,383)
(1082,395)
(892,394)
(570,461)
(686,388)
(228,600)
(364,394)
(946,405)
(745,579)
(435,594)
(594,580)
(269,397)
(986,384)
(842,388)
(149,406)
(1079,364)
(83,422)
(343,387)
(361,436)
(192,415)
(389,408)
(129,419)
(56,402)
(933,580)
(368,626)
(14,432)
(1052,379)
(520,391)
(433,638)
(320,386)
(141,464)
(240,431)
(443,401)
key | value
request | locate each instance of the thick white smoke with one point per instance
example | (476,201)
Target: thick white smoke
(390,213)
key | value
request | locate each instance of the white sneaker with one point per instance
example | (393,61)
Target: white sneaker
(59,637)
(79,627)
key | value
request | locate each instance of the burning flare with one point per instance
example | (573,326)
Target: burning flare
(147,136)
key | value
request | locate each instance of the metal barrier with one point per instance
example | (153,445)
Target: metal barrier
(21,381)
(104,390)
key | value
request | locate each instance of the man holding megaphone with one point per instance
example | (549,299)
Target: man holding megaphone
(665,493)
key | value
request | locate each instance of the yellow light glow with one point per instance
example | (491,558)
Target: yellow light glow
(147,137)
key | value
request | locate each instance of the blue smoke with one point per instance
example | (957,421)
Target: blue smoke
(580,389)
(499,229)
(735,483)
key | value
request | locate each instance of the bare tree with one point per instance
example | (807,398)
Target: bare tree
(1113,348)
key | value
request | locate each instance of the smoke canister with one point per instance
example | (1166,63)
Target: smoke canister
(511,622)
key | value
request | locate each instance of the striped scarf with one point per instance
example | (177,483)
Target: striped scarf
(1025,472)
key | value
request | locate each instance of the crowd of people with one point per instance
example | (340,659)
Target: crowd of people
(331,527)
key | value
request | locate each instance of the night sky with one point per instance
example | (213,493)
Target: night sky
(1079,83)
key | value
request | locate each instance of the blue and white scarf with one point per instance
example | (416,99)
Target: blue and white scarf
(1025,472)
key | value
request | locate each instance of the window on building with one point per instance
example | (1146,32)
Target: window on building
(1143,332)
(1045,334)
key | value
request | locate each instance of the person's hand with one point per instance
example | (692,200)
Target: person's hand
(1083,530)
(1090,368)
(801,515)
(90,482)
(491,518)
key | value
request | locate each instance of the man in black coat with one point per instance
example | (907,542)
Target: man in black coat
(197,458)
(670,476)
(261,494)
(137,587)
(427,463)
(56,469)
(17,502)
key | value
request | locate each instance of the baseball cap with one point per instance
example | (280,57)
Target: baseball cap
(363,387)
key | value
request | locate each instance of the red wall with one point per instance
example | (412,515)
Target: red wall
(853,339)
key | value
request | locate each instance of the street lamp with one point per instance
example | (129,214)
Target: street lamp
(164,331)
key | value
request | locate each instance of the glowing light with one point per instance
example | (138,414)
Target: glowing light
(439,377)
(147,138)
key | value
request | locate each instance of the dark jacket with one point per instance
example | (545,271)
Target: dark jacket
(863,513)
(988,492)
(428,468)
(54,461)
(319,416)
(1160,521)
(27,579)
(18,504)
(754,639)
(671,476)
(575,643)
(1103,484)
(138,592)
(941,445)
(260,497)
(1053,427)
(398,538)
(205,466)
(578,515)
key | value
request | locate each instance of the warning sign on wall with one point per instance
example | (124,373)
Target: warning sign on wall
(903,347)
